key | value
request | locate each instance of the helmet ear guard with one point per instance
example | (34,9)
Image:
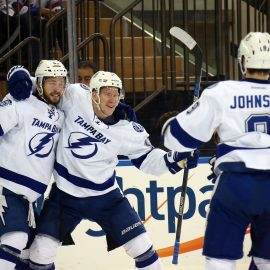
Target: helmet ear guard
(254,52)
(106,79)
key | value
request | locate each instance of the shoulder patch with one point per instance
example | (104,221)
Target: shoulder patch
(5,103)
(137,127)
(84,86)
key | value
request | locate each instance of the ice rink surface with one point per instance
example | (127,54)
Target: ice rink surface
(90,253)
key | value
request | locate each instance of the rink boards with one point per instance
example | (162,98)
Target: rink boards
(156,199)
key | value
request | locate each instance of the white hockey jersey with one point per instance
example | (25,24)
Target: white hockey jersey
(29,132)
(239,111)
(88,148)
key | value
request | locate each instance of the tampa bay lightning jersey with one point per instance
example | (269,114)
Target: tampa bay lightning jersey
(239,111)
(29,132)
(88,148)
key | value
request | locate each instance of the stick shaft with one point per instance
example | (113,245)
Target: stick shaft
(194,48)
(180,218)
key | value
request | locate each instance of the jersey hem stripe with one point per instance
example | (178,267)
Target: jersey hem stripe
(81,182)
(23,180)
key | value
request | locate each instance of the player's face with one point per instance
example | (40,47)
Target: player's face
(53,89)
(84,75)
(109,99)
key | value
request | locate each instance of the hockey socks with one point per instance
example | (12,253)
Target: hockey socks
(148,260)
(22,265)
(9,256)
(37,266)
(220,264)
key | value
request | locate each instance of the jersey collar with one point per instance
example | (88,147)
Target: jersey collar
(255,81)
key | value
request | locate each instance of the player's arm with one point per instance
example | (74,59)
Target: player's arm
(9,117)
(157,161)
(19,88)
(73,95)
(194,126)
(154,160)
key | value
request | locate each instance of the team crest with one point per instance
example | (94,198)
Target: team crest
(53,113)
(82,146)
(137,127)
(41,144)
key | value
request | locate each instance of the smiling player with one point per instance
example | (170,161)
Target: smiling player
(86,188)
(29,131)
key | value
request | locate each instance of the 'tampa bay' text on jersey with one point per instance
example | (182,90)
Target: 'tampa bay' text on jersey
(88,148)
(29,132)
(239,111)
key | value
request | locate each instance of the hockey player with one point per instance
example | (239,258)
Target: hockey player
(86,188)
(86,70)
(29,133)
(239,112)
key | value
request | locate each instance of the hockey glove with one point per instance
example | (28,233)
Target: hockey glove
(19,83)
(125,112)
(176,161)
(212,177)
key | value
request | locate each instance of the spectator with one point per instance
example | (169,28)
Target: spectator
(48,9)
(7,20)
(41,11)
(86,69)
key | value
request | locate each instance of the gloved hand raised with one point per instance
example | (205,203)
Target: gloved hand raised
(176,161)
(212,177)
(19,83)
(124,111)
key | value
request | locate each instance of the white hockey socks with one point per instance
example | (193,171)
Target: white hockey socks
(44,249)
(220,264)
(11,245)
(141,249)
(8,257)
(262,264)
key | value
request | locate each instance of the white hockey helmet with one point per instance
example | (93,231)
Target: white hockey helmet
(49,68)
(106,79)
(254,51)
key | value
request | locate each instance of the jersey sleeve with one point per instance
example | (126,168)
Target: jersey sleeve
(9,117)
(196,125)
(141,152)
(74,94)
(67,98)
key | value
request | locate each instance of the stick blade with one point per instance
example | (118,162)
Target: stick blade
(183,36)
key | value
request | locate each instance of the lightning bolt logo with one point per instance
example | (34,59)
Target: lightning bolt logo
(76,141)
(39,142)
(81,142)
(3,203)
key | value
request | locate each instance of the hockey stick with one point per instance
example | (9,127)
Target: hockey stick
(194,48)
